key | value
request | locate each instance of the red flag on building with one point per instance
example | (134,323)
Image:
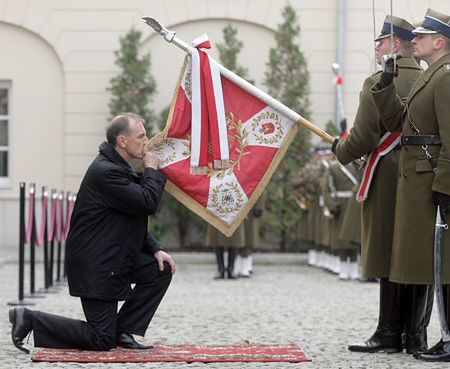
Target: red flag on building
(258,138)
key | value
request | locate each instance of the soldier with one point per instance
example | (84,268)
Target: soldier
(244,260)
(350,231)
(220,242)
(379,207)
(424,175)
(340,184)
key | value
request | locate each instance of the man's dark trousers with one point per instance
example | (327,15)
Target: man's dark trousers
(103,321)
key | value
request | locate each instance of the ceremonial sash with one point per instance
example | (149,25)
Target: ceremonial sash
(385,146)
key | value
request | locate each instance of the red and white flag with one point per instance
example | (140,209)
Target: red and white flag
(258,137)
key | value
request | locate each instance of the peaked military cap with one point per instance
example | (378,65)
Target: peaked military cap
(400,28)
(434,22)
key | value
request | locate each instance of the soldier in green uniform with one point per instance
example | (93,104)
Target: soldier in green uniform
(350,231)
(326,259)
(305,194)
(243,266)
(424,170)
(220,242)
(340,184)
(378,209)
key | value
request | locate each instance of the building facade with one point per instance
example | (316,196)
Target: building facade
(57,57)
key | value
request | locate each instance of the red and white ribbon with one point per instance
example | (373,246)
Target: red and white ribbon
(59,217)
(208,111)
(385,146)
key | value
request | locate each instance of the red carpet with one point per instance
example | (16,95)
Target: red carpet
(189,354)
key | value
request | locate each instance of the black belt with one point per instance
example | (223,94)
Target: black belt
(420,140)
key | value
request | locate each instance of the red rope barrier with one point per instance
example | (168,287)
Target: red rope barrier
(59,217)
(40,239)
(71,205)
(30,225)
(51,233)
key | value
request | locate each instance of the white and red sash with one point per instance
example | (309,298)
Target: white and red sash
(385,146)
(208,112)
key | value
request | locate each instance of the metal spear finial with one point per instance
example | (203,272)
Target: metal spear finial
(158,27)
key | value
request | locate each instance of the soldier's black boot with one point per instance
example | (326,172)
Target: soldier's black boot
(220,264)
(388,335)
(416,318)
(441,350)
(232,251)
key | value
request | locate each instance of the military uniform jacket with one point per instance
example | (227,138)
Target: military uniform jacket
(378,210)
(428,107)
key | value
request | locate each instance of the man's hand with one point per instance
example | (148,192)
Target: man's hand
(390,69)
(162,256)
(151,160)
(443,201)
(257,212)
(333,146)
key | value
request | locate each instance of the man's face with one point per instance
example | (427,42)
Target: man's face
(383,47)
(423,46)
(137,139)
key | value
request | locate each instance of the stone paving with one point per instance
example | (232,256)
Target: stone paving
(285,302)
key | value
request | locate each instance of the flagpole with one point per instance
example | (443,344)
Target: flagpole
(170,37)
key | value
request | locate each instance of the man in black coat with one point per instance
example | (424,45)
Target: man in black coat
(108,249)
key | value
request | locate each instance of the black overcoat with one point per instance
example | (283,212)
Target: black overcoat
(109,226)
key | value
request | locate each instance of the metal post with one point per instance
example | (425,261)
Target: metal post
(21,300)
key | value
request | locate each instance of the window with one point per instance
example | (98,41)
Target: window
(5,107)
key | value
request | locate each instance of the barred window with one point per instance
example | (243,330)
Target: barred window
(5,101)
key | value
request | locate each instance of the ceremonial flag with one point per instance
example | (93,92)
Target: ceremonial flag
(258,137)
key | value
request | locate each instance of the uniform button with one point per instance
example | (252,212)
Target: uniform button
(112,274)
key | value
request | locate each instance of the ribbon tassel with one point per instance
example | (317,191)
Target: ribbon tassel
(208,121)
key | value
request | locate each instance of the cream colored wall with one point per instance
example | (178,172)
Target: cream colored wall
(68,47)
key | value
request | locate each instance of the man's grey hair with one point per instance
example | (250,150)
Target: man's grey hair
(120,125)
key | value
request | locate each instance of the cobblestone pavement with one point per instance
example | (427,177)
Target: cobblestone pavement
(285,302)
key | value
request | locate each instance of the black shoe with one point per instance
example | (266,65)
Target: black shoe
(439,352)
(126,340)
(379,342)
(416,344)
(220,275)
(21,326)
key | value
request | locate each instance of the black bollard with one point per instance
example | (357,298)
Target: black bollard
(21,300)
(44,228)
(32,219)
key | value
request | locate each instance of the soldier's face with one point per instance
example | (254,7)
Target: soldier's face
(383,47)
(423,46)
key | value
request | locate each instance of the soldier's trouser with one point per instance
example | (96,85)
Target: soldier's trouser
(220,262)
(390,320)
(388,335)
(103,322)
(417,308)
(232,251)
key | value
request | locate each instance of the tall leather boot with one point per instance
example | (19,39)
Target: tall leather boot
(232,251)
(441,350)
(415,320)
(220,263)
(387,336)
